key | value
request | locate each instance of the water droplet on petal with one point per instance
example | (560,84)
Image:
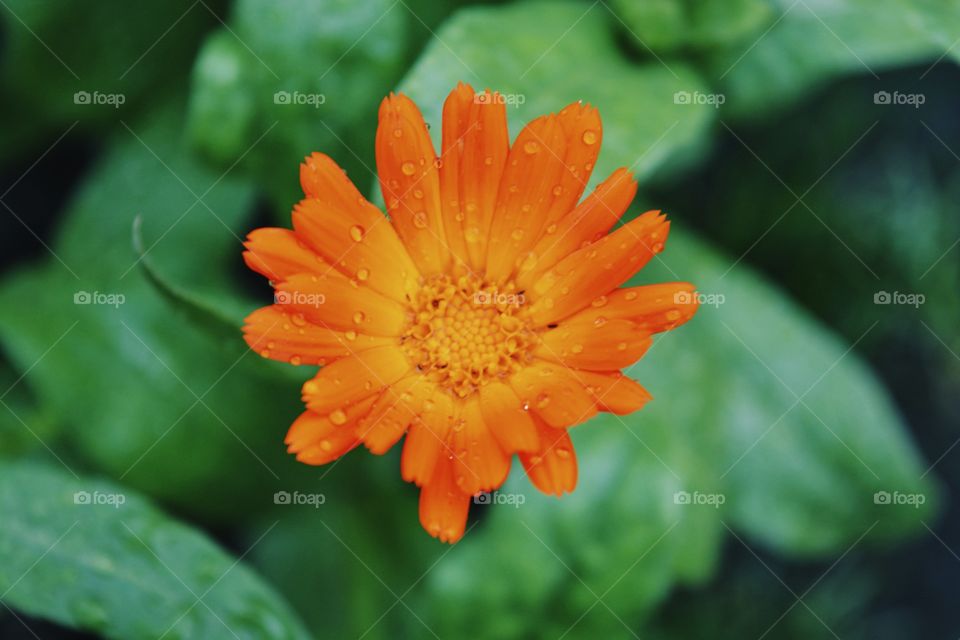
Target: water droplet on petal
(531,148)
(359,317)
(357,233)
(296,360)
(338,417)
(589,137)
(408,168)
(420,220)
(363,274)
(517,234)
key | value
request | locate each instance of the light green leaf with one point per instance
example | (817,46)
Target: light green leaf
(813,41)
(95,556)
(666,26)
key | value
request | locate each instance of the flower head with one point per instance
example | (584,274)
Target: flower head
(483,318)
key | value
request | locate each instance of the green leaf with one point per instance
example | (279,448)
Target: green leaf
(814,41)
(288,80)
(531,54)
(143,392)
(665,26)
(95,556)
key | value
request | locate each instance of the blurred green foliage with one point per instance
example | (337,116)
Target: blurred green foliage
(756,400)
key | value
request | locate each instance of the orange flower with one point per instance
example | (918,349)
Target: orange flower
(483,318)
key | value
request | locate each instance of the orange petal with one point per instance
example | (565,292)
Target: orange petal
(407,165)
(331,300)
(479,463)
(583,131)
(599,344)
(479,169)
(426,441)
(554,393)
(443,507)
(279,254)
(323,179)
(275,333)
(587,223)
(394,412)
(359,242)
(533,169)
(456,114)
(319,439)
(350,379)
(553,467)
(597,268)
(654,307)
(504,413)
(614,392)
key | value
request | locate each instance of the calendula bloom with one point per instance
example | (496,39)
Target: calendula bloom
(483,318)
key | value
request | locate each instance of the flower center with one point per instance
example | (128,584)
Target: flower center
(466,332)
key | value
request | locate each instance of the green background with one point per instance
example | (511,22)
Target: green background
(807,153)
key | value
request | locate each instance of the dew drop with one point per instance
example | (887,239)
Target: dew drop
(563,453)
(407,168)
(577,348)
(599,302)
(531,148)
(600,321)
(589,137)
(420,220)
(326,445)
(296,361)
(357,233)
(397,133)
(557,190)
(338,417)
(359,317)
(517,234)
(622,346)
(363,274)
(351,335)
(631,295)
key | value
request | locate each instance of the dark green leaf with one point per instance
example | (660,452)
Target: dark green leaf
(95,556)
